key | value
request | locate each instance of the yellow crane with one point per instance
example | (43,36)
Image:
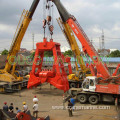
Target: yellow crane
(79,76)
(9,78)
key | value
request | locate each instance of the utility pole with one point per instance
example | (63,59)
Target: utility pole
(103,43)
(33,40)
(91,41)
(99,43)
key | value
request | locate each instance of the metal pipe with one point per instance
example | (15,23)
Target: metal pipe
(62,11)
(33,7)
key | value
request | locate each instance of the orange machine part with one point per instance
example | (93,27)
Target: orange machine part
(23,116)
(55,76)
(116,71)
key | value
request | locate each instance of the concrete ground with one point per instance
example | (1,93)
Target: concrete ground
(51,98)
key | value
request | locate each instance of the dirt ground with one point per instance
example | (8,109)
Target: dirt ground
(49,98)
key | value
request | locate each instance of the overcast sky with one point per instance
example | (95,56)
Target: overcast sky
(93,16)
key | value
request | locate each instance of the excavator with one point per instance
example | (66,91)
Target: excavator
(10,79)
(74,79)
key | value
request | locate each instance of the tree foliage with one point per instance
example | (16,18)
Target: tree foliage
(115,53)
(4,52)
(69,53)
(32,55)
(48,53)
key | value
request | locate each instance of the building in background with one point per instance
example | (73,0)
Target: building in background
(24,52)
(103,52)
(32,51)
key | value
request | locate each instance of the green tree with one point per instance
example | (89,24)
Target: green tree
(115,53)
(4,52)
(69,53)
(48,53)
(32,55)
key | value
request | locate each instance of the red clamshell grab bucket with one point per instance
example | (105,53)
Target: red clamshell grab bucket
(57,75)
(59,81)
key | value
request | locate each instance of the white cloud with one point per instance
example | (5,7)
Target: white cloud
(76,5)
(96,29)
(116,5)
(7,28)
(116,27)
(93,16)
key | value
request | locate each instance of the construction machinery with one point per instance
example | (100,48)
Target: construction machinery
(82,37)
(55,76)
(10,80)
(94,89)
(117,71)
(75,79)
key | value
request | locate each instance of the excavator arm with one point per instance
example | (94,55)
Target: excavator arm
(80,34)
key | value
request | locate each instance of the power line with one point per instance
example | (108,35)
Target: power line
(33,40)
(103,43)
(111,38)
(95,46)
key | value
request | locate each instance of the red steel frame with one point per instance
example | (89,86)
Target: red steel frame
(111,85)
(115,73)
(57,75)
(88,47)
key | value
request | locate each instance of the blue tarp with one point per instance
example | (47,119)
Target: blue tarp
(104,59)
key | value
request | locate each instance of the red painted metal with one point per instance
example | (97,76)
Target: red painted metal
(67,60)
(108,88)
(57,75)
(23,116)
(69,68)
(92,69)
(108,84)
(88,47)
(116,71)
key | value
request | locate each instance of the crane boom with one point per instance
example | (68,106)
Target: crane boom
(20,32)
(9,78)
(86,44)
(67,31)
